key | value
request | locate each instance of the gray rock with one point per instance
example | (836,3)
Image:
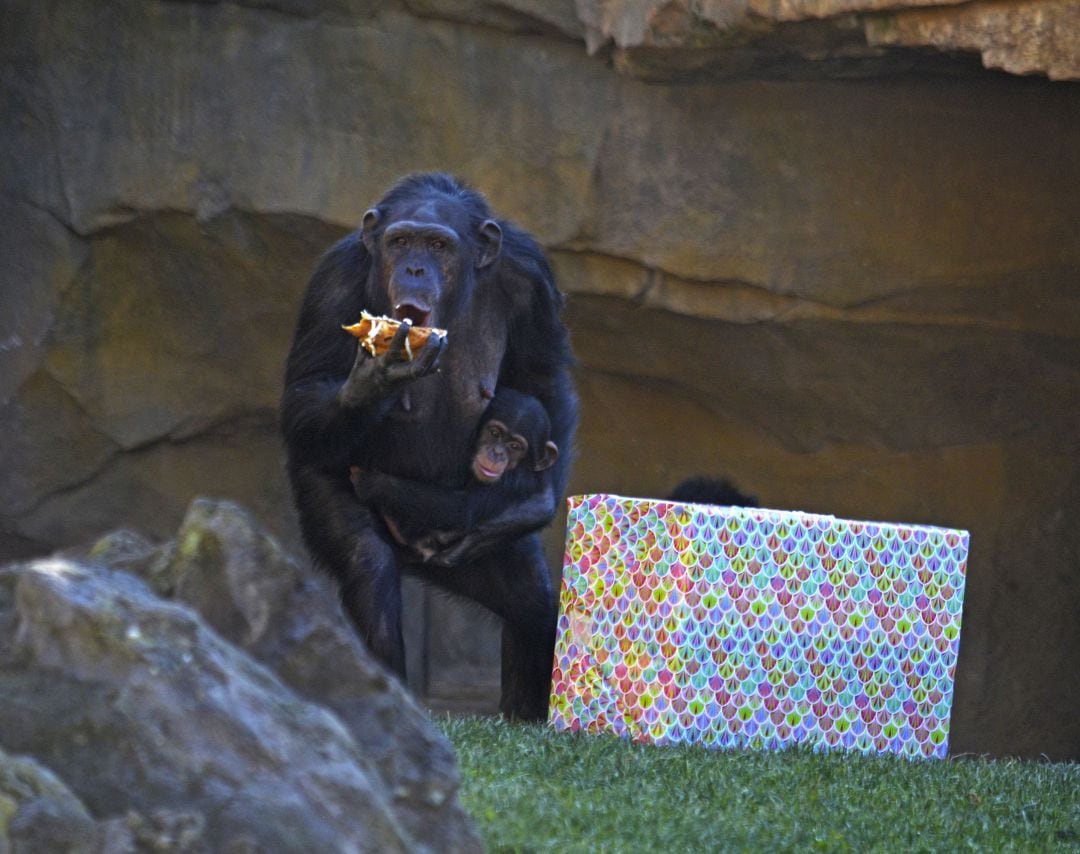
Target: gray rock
(255,595)
(139,706)
(38,812)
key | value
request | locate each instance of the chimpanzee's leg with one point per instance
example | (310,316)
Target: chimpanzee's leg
(514,583)
(346,540)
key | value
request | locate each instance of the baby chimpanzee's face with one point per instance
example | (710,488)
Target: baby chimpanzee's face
(498,450)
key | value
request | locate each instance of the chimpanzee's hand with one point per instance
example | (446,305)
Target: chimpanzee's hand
(436,545)
(516,520)
(450,553)
(374,377)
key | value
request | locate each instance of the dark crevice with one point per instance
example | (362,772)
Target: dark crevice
(121,217)
(651,271)
(501,19)
(49,212)
(237,422)
(513,22)
(284,8)
(791,308)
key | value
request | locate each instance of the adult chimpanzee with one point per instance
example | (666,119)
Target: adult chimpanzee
(431,252)
(512,447)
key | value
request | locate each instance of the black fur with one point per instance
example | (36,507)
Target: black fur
(709,490)
(429,518)
(504,328)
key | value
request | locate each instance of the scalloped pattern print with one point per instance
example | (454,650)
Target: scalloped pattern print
(751,628)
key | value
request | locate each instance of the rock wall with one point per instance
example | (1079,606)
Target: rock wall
(810,244)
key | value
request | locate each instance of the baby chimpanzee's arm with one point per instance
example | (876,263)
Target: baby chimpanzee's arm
(416,508)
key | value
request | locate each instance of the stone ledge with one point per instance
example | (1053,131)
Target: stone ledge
(666,39)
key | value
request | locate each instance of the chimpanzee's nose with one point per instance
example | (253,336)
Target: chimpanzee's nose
(414,271)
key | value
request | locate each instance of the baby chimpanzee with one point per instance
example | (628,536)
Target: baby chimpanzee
(512,454)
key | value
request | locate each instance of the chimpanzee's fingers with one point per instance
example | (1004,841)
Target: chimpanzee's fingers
(429,356)
(454,556)
(396,350)
(422,365)
(357,385)
(362,355)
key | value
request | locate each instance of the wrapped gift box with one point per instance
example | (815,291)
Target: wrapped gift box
(736,627)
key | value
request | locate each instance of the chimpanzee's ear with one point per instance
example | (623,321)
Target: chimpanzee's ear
(490,243)
(548,455)
(368,225)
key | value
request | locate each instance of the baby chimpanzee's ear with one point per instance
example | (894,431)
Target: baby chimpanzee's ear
(547,457)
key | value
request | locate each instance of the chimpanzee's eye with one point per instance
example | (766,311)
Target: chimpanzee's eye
(400,240)
(438,245)
(493,432)
(516,447)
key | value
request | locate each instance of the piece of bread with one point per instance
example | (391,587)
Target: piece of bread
(376,333)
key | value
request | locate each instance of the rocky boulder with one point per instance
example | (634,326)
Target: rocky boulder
(258,597)
(38,812)
(159,726)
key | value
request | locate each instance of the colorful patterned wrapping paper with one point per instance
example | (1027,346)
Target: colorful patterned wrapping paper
(748,628)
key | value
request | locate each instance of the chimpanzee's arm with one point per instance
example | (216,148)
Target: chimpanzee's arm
(414,505)
(321,409)
(334,390)
(373,378)
(517,519)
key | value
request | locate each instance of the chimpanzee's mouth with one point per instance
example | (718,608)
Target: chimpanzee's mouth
(410,311)
(484,474)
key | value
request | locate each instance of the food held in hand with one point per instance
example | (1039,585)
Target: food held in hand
(376,333)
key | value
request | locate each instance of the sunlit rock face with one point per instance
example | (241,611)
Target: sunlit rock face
(814,246)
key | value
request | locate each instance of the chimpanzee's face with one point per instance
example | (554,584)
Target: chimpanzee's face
(498,450)
(422,265)
(425,252)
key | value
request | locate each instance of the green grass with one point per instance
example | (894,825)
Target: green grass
(532,789)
